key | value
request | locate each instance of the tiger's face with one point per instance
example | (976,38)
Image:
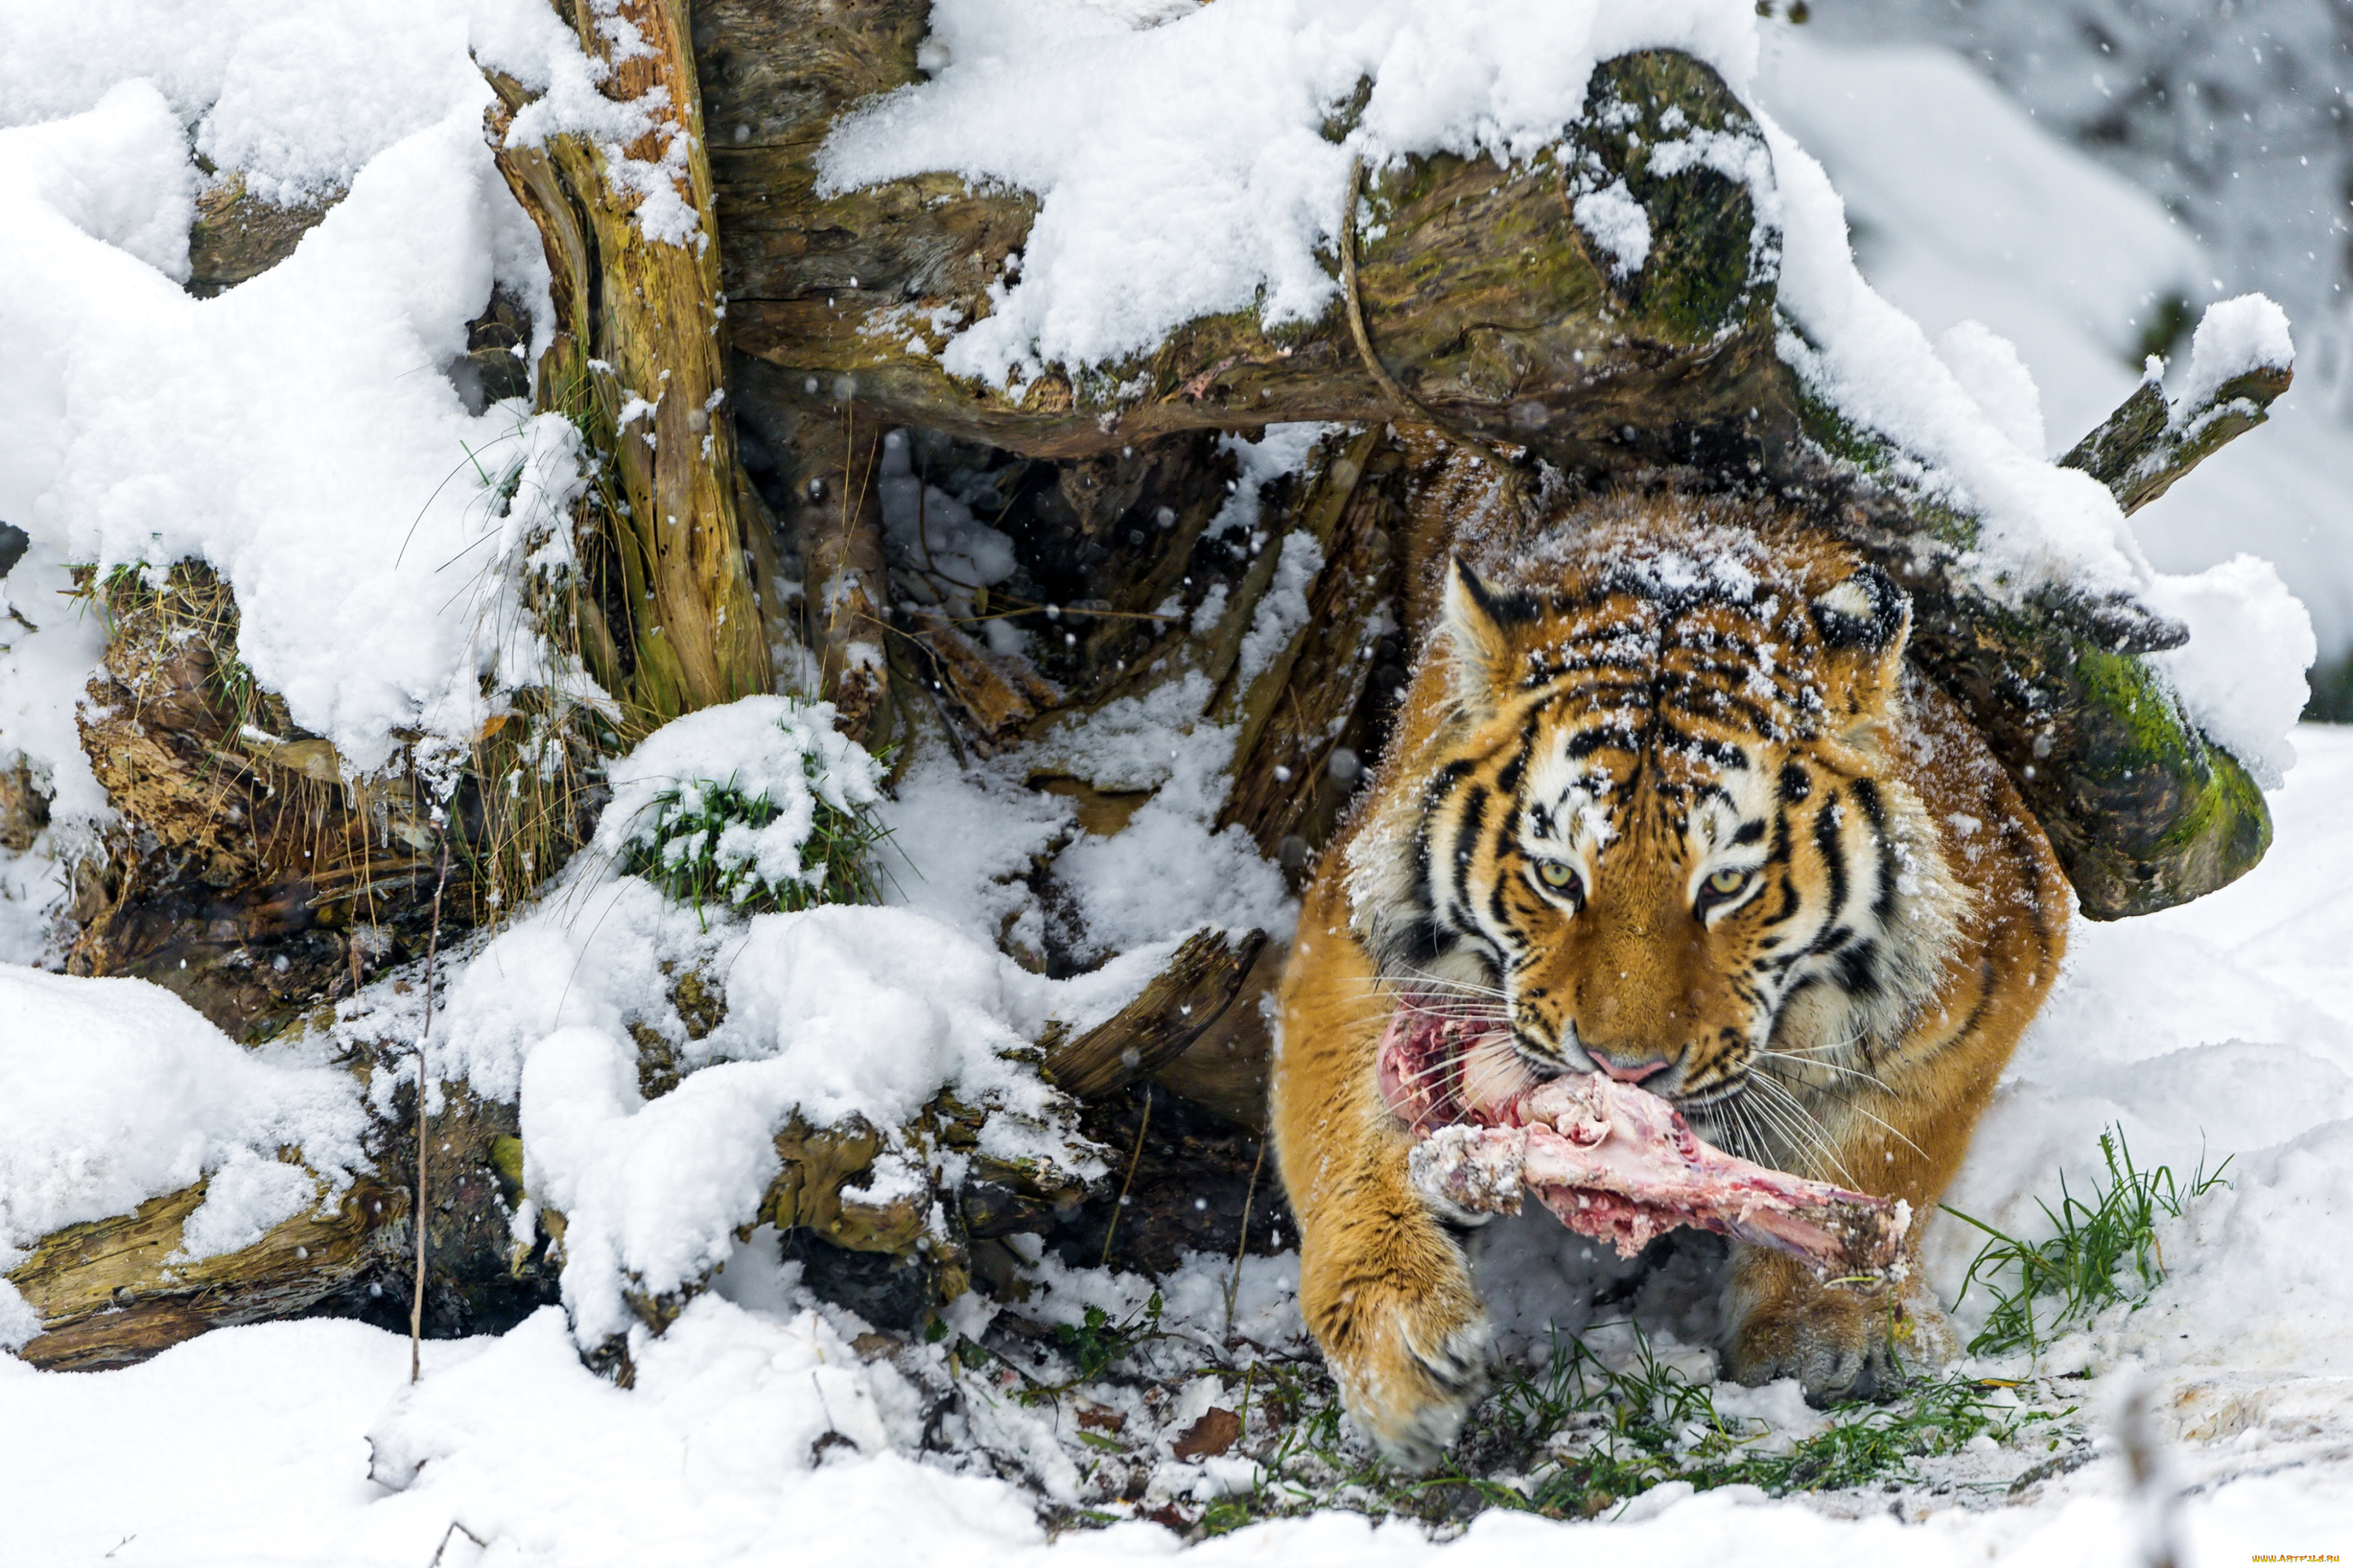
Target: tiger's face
(1655,841)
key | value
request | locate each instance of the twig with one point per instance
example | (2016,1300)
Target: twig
(416,1298)
(1133,1162)
(1412,407)
(1250,1193)
(455,1529)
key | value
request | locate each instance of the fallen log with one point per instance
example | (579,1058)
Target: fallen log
(1154,1029)
(1487,310)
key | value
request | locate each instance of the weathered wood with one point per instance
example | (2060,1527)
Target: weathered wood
(115,1290)
(1145,1036)
(837,524)
(2146,445)
(1302,727)
(2143,810)
(250,878)
(1479,288)
(639,362)
(237,235)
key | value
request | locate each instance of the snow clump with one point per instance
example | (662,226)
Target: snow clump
(113,1091)
(759,799)
(2234,337)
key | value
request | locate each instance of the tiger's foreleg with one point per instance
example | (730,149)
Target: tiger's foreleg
(1906,1140)
(1383,1281)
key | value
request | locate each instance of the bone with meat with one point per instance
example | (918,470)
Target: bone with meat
(1614,1162)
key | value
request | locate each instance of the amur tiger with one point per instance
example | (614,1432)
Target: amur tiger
(1664,801)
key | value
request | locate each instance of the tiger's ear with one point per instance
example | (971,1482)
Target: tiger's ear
(1865,622)
(1478,640)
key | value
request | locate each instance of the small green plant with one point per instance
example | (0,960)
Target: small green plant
(694,830)
(1576,1438)
(792,823)
(2104,1249)
(1096,1343)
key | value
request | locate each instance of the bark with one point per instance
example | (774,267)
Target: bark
(639,363)
(117,1291)
(1165,1018)
(249,876)
(1478,288)
(837,522)
(2140,450)
(237,235)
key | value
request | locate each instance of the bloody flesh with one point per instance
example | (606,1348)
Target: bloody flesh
(1614,1162)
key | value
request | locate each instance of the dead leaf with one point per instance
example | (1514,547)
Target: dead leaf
(1212,1434)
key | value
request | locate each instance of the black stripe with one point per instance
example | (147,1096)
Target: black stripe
(1466,852)
(1584,743)
(1826,843)
(1866,795)
(1433,796)
(1858,968)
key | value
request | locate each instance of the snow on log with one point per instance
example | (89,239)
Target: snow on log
(1511,312)
(2240,362)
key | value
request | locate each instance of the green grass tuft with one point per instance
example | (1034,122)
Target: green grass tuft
(679,850)
(2104,1250)
(1576,1439)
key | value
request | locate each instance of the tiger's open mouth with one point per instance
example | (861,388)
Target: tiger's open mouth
(1614,1162)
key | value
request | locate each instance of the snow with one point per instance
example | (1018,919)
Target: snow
(1616,221)
(1182,167)
(1166,871)
(295,433)
(1965,209)
(146,427)
(2222,1027)
(1983,244)
(831,1013)
(2233,337)
(2247,631)
(774,750)
(112,1092)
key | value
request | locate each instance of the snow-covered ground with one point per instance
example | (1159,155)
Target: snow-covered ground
(2224,1028)
(760,1429)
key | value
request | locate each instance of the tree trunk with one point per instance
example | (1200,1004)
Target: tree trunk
(638,364)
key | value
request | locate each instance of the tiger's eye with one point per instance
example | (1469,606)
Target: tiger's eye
(1558,874)
(1727,882)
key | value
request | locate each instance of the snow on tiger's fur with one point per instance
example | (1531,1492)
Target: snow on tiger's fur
(1663,801)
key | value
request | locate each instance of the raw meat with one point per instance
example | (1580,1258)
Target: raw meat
(1613,1160)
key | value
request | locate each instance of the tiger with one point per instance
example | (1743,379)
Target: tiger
(1664,799)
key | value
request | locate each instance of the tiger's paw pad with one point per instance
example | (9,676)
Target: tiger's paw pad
(1412,1391)
(1839,1352)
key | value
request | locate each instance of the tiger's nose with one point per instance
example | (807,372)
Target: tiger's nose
(1635,1071)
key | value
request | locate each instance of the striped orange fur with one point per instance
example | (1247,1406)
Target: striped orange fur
(1664,798)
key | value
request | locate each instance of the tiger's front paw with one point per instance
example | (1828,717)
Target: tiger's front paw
(1836,1350)
(1410,1353)
(1841,1343)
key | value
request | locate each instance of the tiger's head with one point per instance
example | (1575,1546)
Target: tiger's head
(1651,824)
